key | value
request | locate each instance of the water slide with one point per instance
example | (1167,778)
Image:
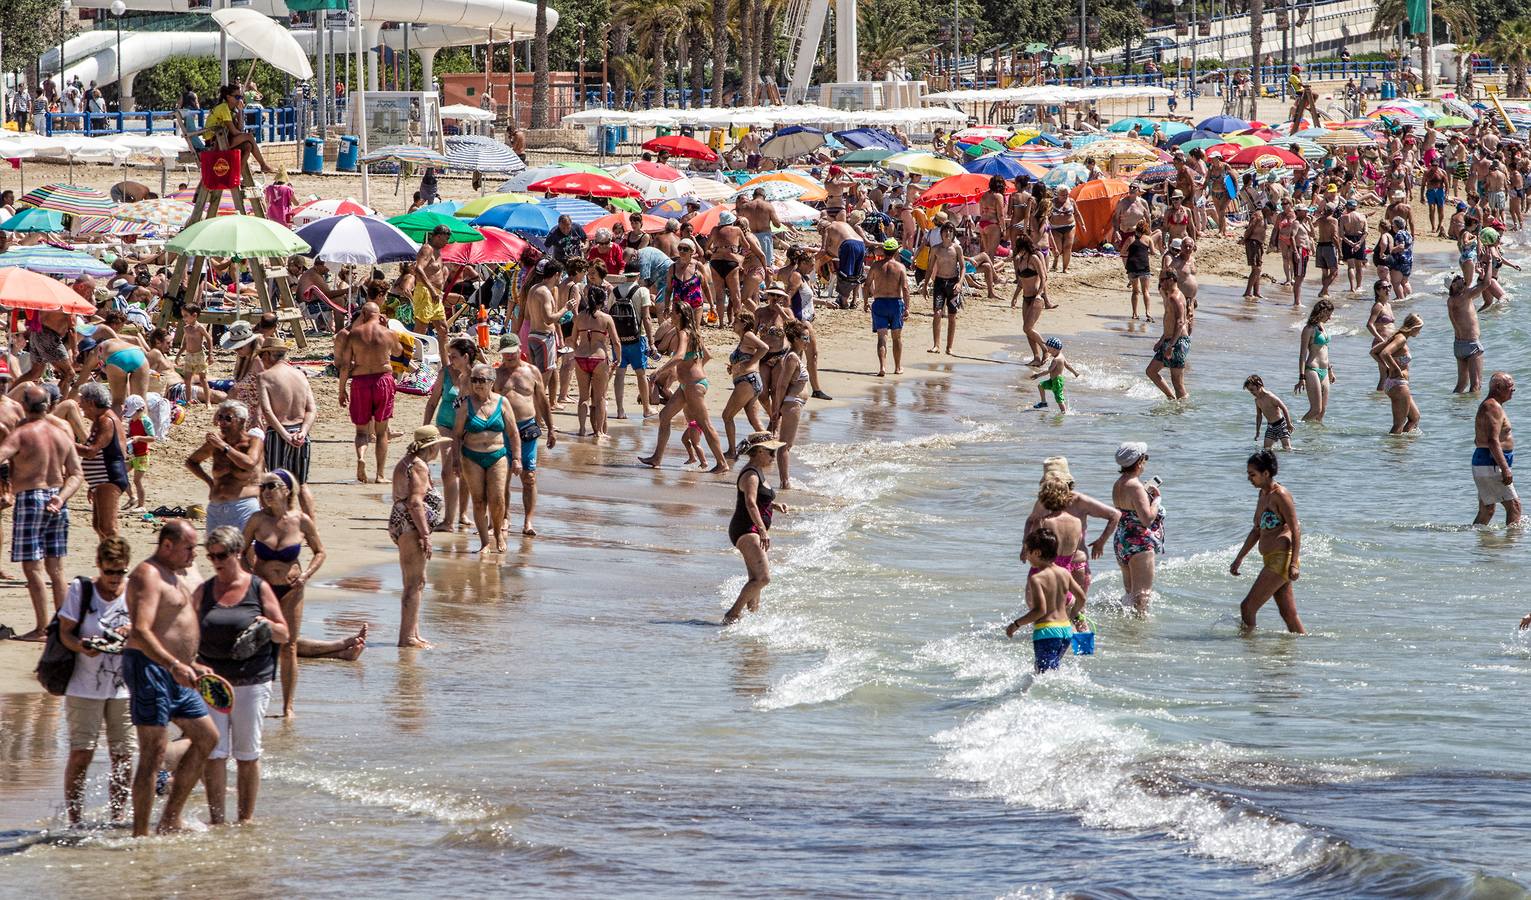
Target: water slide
(436,24)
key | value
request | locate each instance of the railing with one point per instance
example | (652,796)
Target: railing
(265,124)
(607,98)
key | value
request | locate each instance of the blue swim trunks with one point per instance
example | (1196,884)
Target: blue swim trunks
(1049,651)
(635,355)
(1435,196)
(157,699)
(530,432)
(851,260)
(888,313)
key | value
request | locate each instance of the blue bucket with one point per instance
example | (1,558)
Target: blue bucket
(1084,643)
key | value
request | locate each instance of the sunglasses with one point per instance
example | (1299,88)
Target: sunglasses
(114,573)
(218,555)
(270,485)
(482,380)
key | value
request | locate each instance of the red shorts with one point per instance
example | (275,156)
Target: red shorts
(371,398)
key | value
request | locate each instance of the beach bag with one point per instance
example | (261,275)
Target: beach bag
(56,665)
(624,313)
(220,169)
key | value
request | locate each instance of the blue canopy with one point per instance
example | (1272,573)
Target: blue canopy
(862,138)
(1196,135)
(1006,167)
(521,218)
(1223,124)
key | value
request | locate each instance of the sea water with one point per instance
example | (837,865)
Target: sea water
(582,729)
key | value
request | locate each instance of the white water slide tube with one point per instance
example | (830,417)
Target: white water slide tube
(437,23)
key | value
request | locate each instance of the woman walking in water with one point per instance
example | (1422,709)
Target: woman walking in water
(1393,355)
(1280,539)
(689,362)
(416,510)
(441,409)
(1314,373)
(1140,531)
(749,529)
(1380,322)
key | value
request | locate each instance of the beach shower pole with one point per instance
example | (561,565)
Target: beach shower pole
(223,52)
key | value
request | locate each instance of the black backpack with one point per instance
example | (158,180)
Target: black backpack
(56,666)
(624,313)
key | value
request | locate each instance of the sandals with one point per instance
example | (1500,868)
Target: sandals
(168,512)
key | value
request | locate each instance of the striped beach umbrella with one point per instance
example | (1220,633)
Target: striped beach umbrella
(357,239)
(406,153)
(654,181)
(582,212)
(165,214)
(675,209)
(1040,154)
(47,260)
(774,190)
(110,225)
(475,208)
(69,199)
(476,153)
(315,210)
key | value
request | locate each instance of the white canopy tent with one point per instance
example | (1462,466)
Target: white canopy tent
(1050,94)
(766,117)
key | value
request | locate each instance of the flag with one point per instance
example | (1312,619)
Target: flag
(1419,16)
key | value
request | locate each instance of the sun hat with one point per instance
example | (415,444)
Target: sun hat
(686,245)
(1053,343)
(1177,243)
(427,436)
(1057,467)
(238,334)
(274,344)
(727,218)
(760,440)
(1130,452)
(890,245)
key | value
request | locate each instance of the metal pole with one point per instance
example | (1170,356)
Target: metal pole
(1195,43)
(321,28)
(409,73)
(956,47)
(223,51)
(1082,33)
(62,10)
(119,59)
(361,111)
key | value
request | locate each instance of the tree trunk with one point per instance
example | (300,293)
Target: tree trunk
(1256,33)
(618,49)
(698,62)
(539,68)
(1426,51)
(746,51)
(719,48)
(768,44)
(661,60)
(682,57)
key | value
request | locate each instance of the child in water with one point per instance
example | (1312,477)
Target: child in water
(1270,409)
(691,439)
(1053,366)
(1051,593)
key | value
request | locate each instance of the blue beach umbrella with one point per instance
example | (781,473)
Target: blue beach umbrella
(521,218)
(583,212)
(875,138)
(1195,134)
(35,221)
(1223,124)
(1066,175)
(1003,165)
(361,240)
(443,207)
(1121,126)
(46,260)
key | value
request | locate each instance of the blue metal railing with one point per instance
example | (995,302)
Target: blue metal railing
(265,124)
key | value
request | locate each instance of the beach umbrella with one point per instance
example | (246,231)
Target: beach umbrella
(1451,122)
(1223,124)
(774,190)
(1310,134)
(357,239)
(1202,144)
(1305,148)
(48,260)
(654,181)
(1173,129)
(1156,173)
(582,212)
(71,200)
(1344,137)
(476,153)
(610,221)
(1004,166)
(35,221)
(977,134)
(1459,107)
(23,289)
(584,184)
(445,207)
(1094,204)
(870,139)
(497,247)
(109,225)
(474,208)
(1224,150)
(675,209)
(1040,155)
(418,224)
(682,146)
(795,211)
(1116,148)
(164,214)
(541,173)
(957,189)
(865,157)
(792,141)
(987,145)
(1194,134)
(1121,126)
(914,162)
(1244,140)
(712,190)
(522,218)
(266,40)
(813,190)
(705,222)
(463,112)
(406,153)
(1250,156)
(1066,175)
(240,237)
(315,210)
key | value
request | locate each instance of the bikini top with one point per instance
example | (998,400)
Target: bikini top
(738,356)
(1319,338)
(495,422)
(1384,319)
(1270,519)
(266,553)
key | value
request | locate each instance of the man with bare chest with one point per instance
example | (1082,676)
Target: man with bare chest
(160,668)
(238,455)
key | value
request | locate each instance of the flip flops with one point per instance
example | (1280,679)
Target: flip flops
(168,512)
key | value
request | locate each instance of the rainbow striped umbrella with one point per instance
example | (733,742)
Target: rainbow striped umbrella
(48,260)
(165,214)
(69,199)
(1040,154)
(110,225)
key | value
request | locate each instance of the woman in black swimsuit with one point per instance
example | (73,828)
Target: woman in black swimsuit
(273,539)
(101,457)
(1136,253)
(1031,284)
(749,529)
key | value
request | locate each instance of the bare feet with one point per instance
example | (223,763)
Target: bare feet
(718,469)
(417,642)
(899,370)
(649,461)
(361,472)
(528,531)
(36,636)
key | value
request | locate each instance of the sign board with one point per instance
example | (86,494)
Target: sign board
(398,117)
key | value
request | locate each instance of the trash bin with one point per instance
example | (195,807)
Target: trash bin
(313,156)
(662,131)
(345,161)
(1389,90)
(608,140)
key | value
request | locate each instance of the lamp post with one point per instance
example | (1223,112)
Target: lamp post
(63,10)
(118,8)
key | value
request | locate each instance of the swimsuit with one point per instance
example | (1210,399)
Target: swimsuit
(741,523)
(486,459)
(1133,537)
(1054,384)
(399,520)
(1491,487)
(888,314)
(266,553)
(107,467)
(371,398)
(1278,562)
(1172,355)
(530,431)
(128,359)
(1279,430)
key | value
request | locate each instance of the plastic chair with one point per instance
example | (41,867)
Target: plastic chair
(429,350)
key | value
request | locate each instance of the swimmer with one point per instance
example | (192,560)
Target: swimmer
(1280,538)
(1314,371)
(1494,453)
(1053,366)
(1269,409)
(1049,592)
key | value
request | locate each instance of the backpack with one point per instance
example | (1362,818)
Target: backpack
(624,313)
(56,666)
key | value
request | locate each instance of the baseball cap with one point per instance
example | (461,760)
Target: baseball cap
(510,343)
(890,245)
(1177,243)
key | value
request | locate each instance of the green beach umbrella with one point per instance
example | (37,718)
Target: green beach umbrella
(240,237)
(1244,140)
(987,145)
(626,204)
(1199,144)
(866,157)
(418,225)
(1451,122)
(35,221)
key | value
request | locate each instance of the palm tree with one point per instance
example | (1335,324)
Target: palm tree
(1511,46)
(719,48)
(539,68)
(887,43)
(1457,14)
(1256,34)
(633,70)
(1467,48)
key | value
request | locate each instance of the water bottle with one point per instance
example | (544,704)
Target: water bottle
(483,328)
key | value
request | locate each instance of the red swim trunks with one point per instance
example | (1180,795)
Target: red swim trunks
(371,398)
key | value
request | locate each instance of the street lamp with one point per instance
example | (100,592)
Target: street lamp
(63,10)
(118,8)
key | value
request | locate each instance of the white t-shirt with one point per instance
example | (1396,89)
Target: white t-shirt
(96,677)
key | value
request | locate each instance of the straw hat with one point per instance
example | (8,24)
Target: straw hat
(760,440)
(237,335)
(427,436)
(274,344)
(1057,467)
